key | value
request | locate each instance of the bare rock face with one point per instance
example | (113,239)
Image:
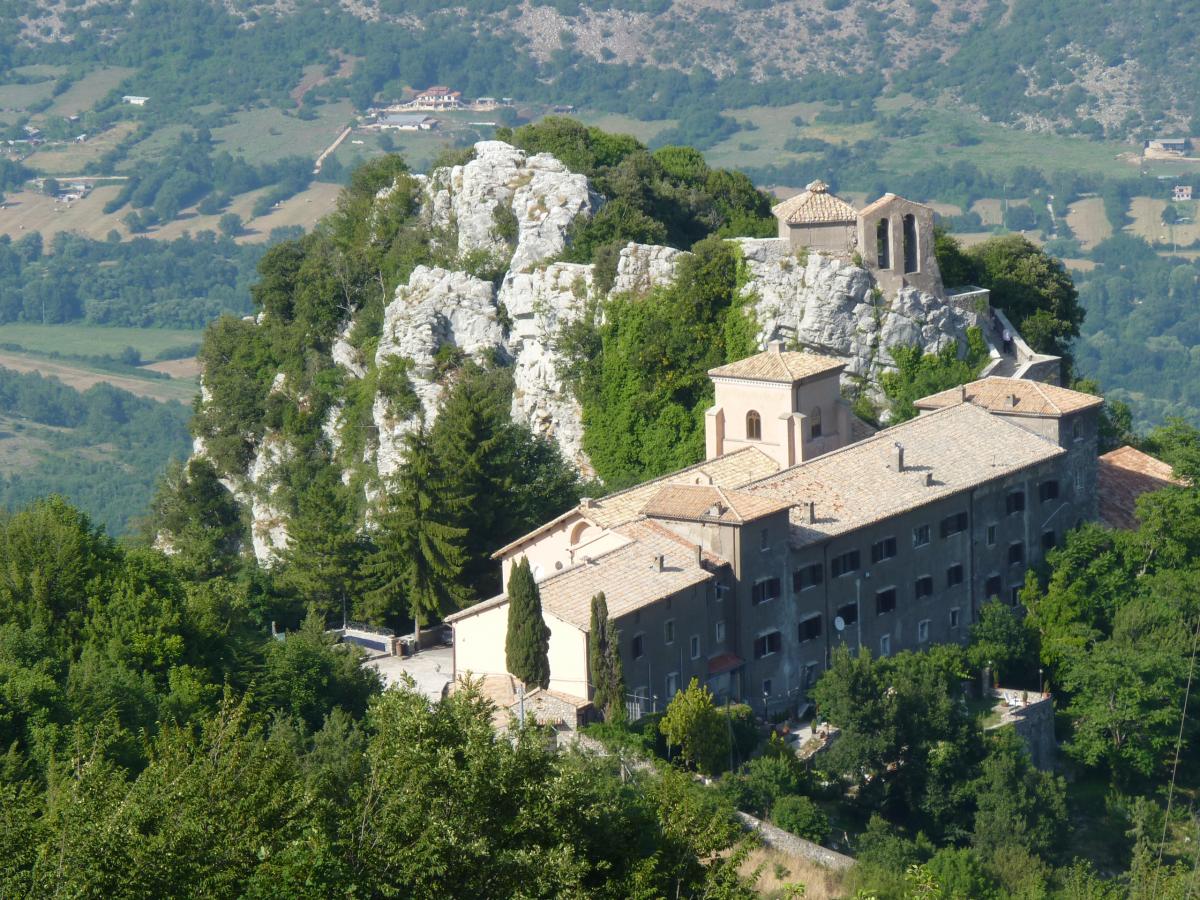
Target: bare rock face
(539,304)
(828,304)
(437,307)
(539,192)
(645,266)
(268,523)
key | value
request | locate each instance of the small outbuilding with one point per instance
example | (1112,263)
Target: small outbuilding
(816,218)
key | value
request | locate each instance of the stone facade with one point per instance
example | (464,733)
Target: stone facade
(895,239)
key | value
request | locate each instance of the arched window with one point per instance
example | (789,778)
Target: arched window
(753,426)
(912,254)
(883,244)
(577,532)
(814,423)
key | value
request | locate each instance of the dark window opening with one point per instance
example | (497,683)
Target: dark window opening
(810,629)
(954,575)
(848,613)
(845,564)
(954,524)
(766,644)
(765,590)
(1049,540)
(753,426)
(808,577)
(883,250)
(885,601)
(1048,490)
(992,588)
(636,647)
(814,423)
(1016,553)
(1014,502)
(884,549)
(923,587)
(920,535)
(911,250)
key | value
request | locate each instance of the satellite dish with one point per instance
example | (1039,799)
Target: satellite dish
(839,623)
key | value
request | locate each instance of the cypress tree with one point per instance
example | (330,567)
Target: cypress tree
(604,663)
(527,645)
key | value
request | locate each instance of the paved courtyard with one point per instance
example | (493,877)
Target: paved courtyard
(431,669)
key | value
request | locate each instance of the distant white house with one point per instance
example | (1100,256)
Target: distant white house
(1181,192)
(134,100)
(406,122)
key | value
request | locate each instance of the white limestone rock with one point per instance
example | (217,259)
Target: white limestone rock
(268,523)
(436,307)
(540,304)
(644,266)
(829,305)
(541,192)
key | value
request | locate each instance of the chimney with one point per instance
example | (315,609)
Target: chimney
(962,393)
(898,456)
(1010,401)
(775,346)
(587,502)
(699,555)
(928,479)
(812,512)
(716,510)
(659,560)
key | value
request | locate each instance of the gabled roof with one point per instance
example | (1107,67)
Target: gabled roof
(884,201)
(1123,475)
(783,366)
(945,452)
(1014,396)
(709,503)
(731,470)
(815,206)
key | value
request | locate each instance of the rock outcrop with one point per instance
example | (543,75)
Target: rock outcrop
(507,205)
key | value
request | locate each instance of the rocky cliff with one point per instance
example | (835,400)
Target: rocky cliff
(518,209)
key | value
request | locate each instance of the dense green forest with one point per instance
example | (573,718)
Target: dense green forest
(184,283)
(104,449)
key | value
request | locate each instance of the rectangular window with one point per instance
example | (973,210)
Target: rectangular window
(954,524)
(808,577)
(954,617)
(991,535)
(764,540)
(1014,595)
(694,646)
(1014,502)
(719,631)
(845,564)
(636,647)
(992,587)
(722,589)
(810,629)
(766,644)
(954,575)
(923,587)
(884,549)
(810,675)
(920,536)
(669,631)
(885,601)
(1048,490)
(1049,539)
(885,645)
(672,685)
(848,613)
(767,589)
(766,687)
(1016,553)
(923,631)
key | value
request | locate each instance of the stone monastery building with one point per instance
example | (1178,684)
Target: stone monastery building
(801,531)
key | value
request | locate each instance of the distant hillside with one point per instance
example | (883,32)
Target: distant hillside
(1124,69)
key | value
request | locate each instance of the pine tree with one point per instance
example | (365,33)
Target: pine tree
(604,663)
(527,645)
(323,550)
(418,566)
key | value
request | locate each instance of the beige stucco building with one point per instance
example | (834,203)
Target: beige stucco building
(747,569)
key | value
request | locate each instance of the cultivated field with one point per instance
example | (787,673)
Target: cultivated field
(69,159)
(263,135)
(26,211)
(1148,224)
(81,377)
(92,340)
(1089,222)
(84,94)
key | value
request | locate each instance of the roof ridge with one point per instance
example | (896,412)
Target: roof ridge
(729,503)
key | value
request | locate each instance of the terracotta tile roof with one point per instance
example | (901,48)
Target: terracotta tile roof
(815,206)
(1124,475)
(1015,396)
(783,366)
(710,503)
(883,201)
(730,471)
(955,449)
(633,529)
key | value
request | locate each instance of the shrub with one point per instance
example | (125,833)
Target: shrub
(801,817)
